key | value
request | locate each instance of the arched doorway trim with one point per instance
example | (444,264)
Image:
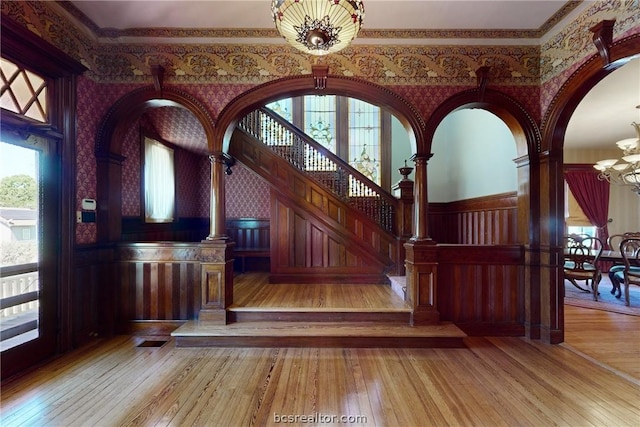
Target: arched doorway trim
(551,178)
(108,147)
(128,108)
(554,124)
(515,116)
(304,85)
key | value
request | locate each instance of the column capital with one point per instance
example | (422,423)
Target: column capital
(421,158)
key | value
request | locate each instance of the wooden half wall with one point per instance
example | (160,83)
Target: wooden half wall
(488,220)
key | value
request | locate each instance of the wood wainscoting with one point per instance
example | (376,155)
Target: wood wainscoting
(489,220)
(481,288)
(159,286)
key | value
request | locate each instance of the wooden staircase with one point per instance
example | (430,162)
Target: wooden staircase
(327,219)
(333,245)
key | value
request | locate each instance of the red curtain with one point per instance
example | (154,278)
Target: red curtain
(592,195)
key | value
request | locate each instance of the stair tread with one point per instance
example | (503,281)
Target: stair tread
(317,329)
(323,309)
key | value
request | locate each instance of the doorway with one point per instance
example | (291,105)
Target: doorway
(28,246)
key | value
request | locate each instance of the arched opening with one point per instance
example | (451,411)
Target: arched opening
(552,222)
(526,135)
(113,131)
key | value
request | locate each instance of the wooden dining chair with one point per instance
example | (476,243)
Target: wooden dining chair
(614,242)
(630,250)
(581,263)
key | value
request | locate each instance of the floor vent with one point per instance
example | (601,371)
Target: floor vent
(147,343)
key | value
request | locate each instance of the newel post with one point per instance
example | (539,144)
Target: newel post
(403,190)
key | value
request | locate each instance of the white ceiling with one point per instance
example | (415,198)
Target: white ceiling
(601,119)
(379,14)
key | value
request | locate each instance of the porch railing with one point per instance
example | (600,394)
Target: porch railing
(19,305)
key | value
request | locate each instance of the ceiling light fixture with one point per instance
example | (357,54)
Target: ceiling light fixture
(627,171)
(318,27)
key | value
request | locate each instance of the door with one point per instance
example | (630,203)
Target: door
(28,254)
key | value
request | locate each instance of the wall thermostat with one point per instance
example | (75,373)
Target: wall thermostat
(89,204)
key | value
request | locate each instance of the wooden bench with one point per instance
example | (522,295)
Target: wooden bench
(252,239)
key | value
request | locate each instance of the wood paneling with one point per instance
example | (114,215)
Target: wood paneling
(95,293)
(158,282)
(481,288)
(306,250)
(490,220)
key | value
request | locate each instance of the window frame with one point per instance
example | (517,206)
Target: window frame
(144,135)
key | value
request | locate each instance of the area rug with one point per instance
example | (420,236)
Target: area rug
(606,301)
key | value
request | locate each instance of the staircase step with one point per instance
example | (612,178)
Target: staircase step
(318,334)
(302,314)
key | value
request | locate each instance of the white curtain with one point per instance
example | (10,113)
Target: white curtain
(159,182)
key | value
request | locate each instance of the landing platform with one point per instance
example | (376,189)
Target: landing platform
(316,315)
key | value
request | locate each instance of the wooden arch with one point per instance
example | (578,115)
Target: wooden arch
(551,176)
(306,85)
(554,124)
(127,109)
(108,147)
(521,124)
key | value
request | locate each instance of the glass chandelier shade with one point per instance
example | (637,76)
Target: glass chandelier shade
(318,27)
(627,170)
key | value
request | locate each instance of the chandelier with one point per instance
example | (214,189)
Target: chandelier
(627,171)
(318,27)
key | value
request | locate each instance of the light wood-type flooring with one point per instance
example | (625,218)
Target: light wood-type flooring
(593,379)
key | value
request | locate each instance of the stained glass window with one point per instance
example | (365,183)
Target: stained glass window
(320,120)
(364,138)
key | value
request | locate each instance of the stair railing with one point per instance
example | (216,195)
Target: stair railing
(325,167)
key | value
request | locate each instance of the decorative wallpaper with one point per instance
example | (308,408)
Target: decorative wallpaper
(94,100)
(247,194)
(179,126)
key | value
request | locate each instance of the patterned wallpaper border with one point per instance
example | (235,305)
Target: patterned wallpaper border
(386,65)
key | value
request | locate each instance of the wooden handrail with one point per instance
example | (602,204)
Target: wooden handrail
(327,168)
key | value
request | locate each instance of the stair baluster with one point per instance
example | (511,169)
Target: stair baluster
(307,155)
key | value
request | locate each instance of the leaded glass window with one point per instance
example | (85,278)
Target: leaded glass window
(364,138)
(23,92)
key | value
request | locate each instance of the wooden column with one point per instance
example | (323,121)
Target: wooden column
(529,213)
(420,204)
(421,254)
(218,209)
(109,198)
(216,252)
(551,279)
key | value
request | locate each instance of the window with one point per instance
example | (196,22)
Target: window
(364,139)
(23,92)
(159,182)
(348,127)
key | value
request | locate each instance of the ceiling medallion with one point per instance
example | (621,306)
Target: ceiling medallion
(318,27)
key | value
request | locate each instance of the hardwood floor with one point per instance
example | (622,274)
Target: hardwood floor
(610,339)
(253,290)
(494,381)
(591,379)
